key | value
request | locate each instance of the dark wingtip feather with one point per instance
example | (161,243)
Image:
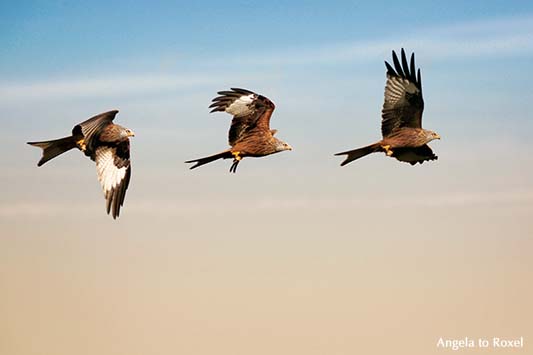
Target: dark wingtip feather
(242,91)
(218,105)
(413,70)
(405,66)
(108,203)
(390,69)
(225,98)
(225,93)
(397,65)
(221,99)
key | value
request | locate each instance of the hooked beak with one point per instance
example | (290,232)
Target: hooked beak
(289,147)
(131,133)
(437,136)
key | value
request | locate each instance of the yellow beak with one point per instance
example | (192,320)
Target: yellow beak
(131,133)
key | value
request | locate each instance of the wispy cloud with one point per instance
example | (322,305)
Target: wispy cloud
(103,86)
(506,36)
(488,27)
(443,48)
(499,37)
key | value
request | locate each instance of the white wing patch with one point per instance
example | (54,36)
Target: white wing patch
(109,175)
(240,106)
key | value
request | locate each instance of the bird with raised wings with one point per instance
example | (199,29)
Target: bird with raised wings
(249,134)
(401,125)
(108,145)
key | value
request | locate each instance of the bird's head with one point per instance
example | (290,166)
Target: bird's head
(126,132)
(430,135)
(281,145)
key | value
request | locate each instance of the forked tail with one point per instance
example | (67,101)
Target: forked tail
(53,148)
(360,152)
(199,162)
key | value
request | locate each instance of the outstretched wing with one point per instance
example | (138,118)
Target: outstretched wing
(249,110)
(91,127)
(114,172)
(403,104)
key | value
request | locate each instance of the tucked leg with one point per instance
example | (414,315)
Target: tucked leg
(387,150)
(237,158)
(81,145)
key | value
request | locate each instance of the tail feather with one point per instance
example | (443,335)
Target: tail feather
(199,162)
(359,153)
(53,148)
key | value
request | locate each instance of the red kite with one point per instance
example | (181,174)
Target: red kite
(401,125)
(250,134)
(108,145)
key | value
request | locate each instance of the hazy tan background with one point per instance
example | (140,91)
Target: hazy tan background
(293,254)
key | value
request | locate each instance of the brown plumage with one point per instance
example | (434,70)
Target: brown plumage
(249,134)
(108,145)
(401,125)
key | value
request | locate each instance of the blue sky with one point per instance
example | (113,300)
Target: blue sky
(58,38)
(293,252)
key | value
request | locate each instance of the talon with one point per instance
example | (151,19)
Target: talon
(81,144)
(387,149)
(233,168)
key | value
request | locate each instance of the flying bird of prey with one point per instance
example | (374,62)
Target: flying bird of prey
(250,134)
(108,145)
(401,125)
